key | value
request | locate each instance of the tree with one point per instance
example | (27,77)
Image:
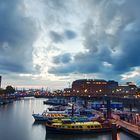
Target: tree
(2,91)
(9,90)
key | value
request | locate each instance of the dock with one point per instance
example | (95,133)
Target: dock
(129,128)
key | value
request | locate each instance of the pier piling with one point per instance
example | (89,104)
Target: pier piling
(114,131)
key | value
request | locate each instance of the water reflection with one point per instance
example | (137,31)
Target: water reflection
(57,136)
(51,136)
(36,123)
(17,123)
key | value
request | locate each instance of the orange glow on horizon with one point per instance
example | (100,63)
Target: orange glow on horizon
(31,86)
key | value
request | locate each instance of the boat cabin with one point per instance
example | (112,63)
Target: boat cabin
(78,125)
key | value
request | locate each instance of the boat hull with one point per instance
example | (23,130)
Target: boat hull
(54,103)
(76,131)
(38,117)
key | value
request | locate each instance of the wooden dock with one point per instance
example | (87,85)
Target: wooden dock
(130,128)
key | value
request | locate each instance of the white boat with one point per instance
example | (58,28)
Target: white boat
(46,115)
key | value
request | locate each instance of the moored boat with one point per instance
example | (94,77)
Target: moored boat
(56,101)
(73,113)
(77,127)
(49,115)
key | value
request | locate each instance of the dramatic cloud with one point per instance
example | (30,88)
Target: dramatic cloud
(17,33)
(111,39)
(65,58)
(70,34)
(58,39)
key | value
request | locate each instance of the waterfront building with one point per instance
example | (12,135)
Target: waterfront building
(112,86)
(129,87)
(122,89)
(95,87)
(89,87)
(68,92)
(132,87)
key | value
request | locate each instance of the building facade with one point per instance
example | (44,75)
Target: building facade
(95,87)
(89,87)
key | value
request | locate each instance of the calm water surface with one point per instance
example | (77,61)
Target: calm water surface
(17,123)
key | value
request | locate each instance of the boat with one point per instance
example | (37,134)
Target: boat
(68,113)
(48,115)
(99,105)
(70,119)
(57,108)
(77,127)
(56,101)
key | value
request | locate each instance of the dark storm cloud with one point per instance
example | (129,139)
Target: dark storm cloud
(83,63)
(70,34)
(67,69)
(111,35)
(129,57)
(11,67)
(17,32)
(63,58)
(57,37)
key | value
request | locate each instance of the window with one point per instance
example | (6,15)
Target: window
(96,126)
(76,127)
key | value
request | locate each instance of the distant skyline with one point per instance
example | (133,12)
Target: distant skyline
(50,43)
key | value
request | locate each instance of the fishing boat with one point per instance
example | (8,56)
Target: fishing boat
(77,127)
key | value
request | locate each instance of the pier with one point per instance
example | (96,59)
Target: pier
(129,128)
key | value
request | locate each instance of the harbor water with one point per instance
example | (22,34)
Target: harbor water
(17,123)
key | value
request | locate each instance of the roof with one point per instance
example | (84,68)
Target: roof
(78,123)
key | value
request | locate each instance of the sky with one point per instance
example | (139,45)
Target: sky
(50,43)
